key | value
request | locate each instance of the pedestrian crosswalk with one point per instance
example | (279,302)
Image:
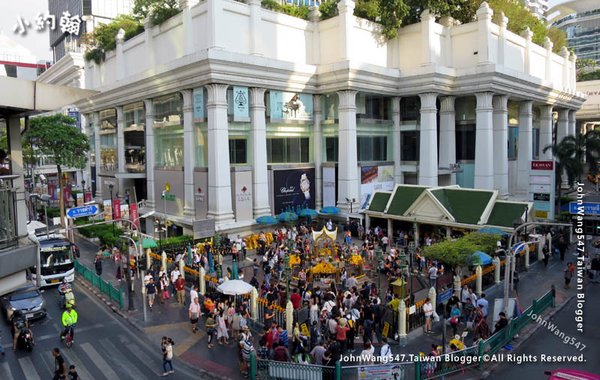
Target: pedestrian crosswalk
(104,358)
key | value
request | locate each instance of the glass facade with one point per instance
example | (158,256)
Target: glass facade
(583,33)
(134,138)
(288,149)
(168,130)
(108,141)
(409,141)
(465,142)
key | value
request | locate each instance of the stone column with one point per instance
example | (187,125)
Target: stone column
(189,162)
(548,66)
(17,168)
(120,56)
(348,157)
(562,125)
(501,54)
(484,148)
(120,146)
(346,20)
(318,150)
(525,146)
(255,20)
(259,152)
(149,43)
(448,134)
(572,123)
(398,177)
(527,34)
(546,124)
(428,28)
(564,53)
(496,270)
(149,129)
(478,280)
(96,127)
(219,175)
(500,105)
(188,27)
(484,35)
(428,153)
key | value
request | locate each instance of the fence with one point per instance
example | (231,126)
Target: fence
(396,371)
(270,312)
(268,369)
(102,285)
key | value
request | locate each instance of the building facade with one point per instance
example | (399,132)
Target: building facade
(537,7)
(581,22)
(222,125)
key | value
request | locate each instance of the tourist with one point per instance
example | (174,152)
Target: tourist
(428,311)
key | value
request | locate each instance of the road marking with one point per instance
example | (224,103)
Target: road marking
(99,361)
(166,326)
(79,330)
(73,358)
(187,343)
(5,373)
(140,355)
(28,369)
(130,370)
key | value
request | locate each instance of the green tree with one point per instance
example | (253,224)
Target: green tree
(461,10)
(159,10)
(102,39)
(458,253)
(57,136)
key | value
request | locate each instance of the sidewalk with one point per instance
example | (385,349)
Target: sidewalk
(221,361)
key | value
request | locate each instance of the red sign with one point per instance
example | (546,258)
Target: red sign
(88,196)
(67,194)
(542,165)
(116,205)
(133,215)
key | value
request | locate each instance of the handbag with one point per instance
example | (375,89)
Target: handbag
(165,294)
(436,317)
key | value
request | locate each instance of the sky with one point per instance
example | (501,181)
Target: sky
(37,42)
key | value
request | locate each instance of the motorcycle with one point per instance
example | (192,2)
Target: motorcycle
(25,340)
(66,295)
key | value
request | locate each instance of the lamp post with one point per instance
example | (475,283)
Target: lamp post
(379,254)
(112,209)
(128,273)
(83,186)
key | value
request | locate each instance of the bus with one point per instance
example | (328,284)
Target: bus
(56,257)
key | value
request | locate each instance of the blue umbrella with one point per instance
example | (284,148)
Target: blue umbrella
(492,231)
(267,219)
(518,248)
(308,213)
(481,258)
(331,210)
(287,216)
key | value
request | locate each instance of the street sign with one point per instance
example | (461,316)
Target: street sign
(589,208)
(168,197)
(80,212)
(445,296)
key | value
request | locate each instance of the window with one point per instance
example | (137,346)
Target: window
(410,146)
(372,148)
(288,149)
(513,138)
(331,149)
(87,7)
(535,140)
(373,107)
(410,108)
(465,142)
(237,151)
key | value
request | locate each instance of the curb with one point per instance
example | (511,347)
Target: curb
(204,374)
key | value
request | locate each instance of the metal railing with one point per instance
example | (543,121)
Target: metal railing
(102,285)
(270,369)
(8,221)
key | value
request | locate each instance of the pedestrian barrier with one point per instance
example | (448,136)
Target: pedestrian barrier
(99,283)
(270,369)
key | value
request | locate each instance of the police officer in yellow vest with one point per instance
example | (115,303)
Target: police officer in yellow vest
(69,319)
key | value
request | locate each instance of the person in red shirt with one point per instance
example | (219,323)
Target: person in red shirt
(180,288)
(296,299)
(340,335)
(269,338)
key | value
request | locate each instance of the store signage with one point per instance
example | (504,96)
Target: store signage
(381,372)
(116,206)
(373,178)
(541,189)
(240,104)
(198,99)
(80,212)
(107,206)
(290,106)
(293,189)
(133,214)
(589,208)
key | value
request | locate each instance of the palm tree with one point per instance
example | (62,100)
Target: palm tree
(569,154)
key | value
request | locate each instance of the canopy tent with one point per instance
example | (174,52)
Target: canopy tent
(149,243)
(235,287)
(481,258)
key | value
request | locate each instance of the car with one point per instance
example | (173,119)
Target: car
(570,374)
(28,300)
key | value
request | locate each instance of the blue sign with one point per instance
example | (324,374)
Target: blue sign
(198,99)
(445,296)
(240,104)
(80,212)
(589,208)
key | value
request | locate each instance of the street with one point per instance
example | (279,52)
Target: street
(543,341)
(104,348)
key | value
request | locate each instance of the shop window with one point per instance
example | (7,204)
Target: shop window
(410,109)
(238,151)
(372,148)
(465,142)
(410,146)
(108,140)
(168,136)
(288,149)
(535,141)
(372,107)
(331,149)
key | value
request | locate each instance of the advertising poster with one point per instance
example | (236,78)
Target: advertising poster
(198,99)
(124,211)
(290,106)
(133,214)
(374,178)
(88,196)
(240,104)
(329,186)
(381,372)
(116,209)
(107,209)
(293,188)
(79,197)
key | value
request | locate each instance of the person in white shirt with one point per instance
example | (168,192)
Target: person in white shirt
(428,311)
(147,278)
(432,276)
(174,276)
(193,293)
(367,354)
(483,303)
(385,355)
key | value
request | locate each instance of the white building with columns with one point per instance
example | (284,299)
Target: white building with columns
(245,112)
